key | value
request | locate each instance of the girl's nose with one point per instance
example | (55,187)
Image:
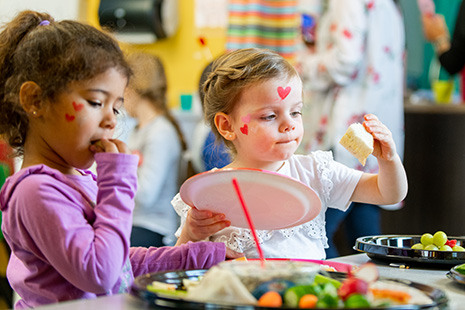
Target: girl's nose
(109,120)
(287,126)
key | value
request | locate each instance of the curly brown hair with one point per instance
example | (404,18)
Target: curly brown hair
(35,47)
(232,73)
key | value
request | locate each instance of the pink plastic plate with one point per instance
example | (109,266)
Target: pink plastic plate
(274,201)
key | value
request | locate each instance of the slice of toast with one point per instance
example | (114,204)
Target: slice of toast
(358,142)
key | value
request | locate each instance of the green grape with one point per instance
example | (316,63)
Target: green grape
(426,239)
(417,246)
(439,238)
(431,247)
(445,248)
(458,248)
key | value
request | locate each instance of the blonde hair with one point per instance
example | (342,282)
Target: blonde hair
(232,73)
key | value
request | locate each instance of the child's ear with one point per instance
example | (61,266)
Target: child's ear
(224,126)
(30,98)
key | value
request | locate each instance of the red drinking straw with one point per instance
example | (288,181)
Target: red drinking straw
(249,220)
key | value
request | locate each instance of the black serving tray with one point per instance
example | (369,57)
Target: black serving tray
(160,301)
(397,248)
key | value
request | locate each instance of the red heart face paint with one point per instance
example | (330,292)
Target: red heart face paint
(77,106)
(245,129)
(69,118)
(283,92)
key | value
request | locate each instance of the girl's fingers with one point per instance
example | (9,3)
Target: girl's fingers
(231,254)
(120,146)
(202,232)
(110,146)
(369,117)
(199,215)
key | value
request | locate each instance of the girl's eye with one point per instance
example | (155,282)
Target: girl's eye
(268,117)
(296,113)
(116,111)
(94,103)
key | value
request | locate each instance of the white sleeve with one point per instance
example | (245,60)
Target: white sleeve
(344,180)
(181,209)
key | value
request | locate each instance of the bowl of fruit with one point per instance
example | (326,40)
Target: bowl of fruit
(436,249)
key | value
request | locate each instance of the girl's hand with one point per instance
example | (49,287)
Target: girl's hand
(110,146)
(384,146)
(201,224)
(231,254)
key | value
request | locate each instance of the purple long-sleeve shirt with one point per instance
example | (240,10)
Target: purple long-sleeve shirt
(69,234)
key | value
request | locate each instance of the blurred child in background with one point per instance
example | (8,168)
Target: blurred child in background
(159,143)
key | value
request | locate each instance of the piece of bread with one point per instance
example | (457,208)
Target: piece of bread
(358,142)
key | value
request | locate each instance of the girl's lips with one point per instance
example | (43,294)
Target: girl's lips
(284,142)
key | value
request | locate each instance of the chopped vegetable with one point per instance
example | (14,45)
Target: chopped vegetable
(156,285)
(356,301)
(308,301)
(270,299)
(321,279)
(171,293)
(293,295)
(460,268)
(396,296)
(351,286)
(279,286)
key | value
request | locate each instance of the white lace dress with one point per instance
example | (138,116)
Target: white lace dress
(333,182)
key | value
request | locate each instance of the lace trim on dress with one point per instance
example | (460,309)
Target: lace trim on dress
(180,206)
(240,239)
(323,159)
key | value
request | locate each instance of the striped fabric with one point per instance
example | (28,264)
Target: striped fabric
(272,24)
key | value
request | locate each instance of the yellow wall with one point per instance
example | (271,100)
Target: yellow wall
(182,54)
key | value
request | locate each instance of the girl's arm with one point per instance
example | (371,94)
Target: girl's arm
(198,255)
(87,245)
(389,186)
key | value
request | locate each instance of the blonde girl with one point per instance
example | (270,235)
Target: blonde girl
(253,101)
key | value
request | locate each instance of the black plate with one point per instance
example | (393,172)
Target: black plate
(398,248)
(139,289)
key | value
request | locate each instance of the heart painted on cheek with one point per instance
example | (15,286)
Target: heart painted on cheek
(70,118)
(246,119)
(283,92)
(77,106)
(245,129)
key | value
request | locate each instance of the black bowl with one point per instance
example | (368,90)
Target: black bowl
(397,248)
